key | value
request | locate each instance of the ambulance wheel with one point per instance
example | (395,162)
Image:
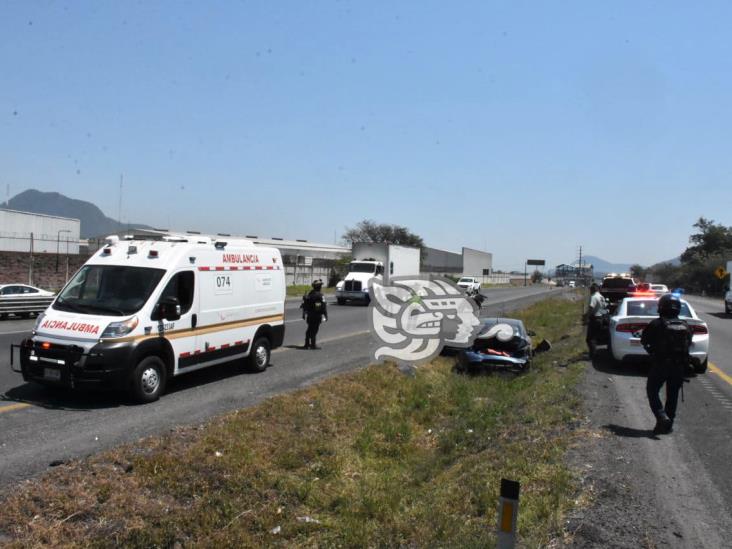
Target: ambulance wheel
(701,367)
(148,380)
(258,358)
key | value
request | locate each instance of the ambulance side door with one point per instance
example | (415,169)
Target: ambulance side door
(181,332)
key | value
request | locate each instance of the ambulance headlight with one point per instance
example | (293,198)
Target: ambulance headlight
(39,320)
(119,329)
(339,285)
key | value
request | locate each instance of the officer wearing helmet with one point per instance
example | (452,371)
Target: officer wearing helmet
(314,311)
(667,339)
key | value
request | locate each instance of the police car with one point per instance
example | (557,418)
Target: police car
(633,315)
(142,311)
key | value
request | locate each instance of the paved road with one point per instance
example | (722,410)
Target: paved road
(686,475)
(38,425)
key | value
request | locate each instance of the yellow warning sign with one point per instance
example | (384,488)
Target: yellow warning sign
(720,272)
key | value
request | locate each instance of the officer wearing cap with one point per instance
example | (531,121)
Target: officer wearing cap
(314,311)
(596,311)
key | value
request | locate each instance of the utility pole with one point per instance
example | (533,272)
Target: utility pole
(119,206)
(580,276)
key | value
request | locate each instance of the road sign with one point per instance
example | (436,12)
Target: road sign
(536,262)
(720,273)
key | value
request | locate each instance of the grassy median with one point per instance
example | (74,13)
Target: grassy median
(369,458)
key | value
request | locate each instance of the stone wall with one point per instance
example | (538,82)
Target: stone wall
(15,269)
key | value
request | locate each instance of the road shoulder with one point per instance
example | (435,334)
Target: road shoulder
(637,490)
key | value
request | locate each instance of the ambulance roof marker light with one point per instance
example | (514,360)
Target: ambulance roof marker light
(153,254)
(107,250)
(220,244)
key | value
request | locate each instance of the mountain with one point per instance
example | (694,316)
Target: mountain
(604,267)
(93,221)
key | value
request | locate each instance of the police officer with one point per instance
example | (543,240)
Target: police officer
(595,313)
(667,339)
(314,311)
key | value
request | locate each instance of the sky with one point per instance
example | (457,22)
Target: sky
(526,129)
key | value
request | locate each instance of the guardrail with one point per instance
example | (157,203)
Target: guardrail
(23,305)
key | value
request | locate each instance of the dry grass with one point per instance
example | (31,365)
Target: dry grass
(376,458)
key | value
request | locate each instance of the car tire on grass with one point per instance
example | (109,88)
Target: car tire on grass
(148,380)
(259,355)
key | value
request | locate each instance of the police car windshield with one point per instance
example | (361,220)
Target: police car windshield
(362,268)
(650,308)
(110,290)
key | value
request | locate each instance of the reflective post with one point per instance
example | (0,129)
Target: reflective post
(508,503)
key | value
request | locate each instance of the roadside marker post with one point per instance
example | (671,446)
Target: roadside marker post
(508,504)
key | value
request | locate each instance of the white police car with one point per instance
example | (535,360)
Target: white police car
(635,313)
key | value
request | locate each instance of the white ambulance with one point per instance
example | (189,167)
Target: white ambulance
(143,310)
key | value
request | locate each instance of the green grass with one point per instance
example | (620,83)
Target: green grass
(378,458)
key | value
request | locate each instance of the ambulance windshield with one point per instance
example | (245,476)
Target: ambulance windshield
(110,290)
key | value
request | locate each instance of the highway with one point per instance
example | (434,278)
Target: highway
(682,479)
(39,426)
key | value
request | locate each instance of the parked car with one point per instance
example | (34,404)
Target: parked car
(728,301)
(633,315)
(659,289)
(22,289)
(616,287)
(470,284)
(22,300)
(502,344)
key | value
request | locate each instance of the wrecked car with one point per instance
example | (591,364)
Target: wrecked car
(502,344)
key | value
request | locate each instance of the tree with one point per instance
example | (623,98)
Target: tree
(711,240)
(536,276)
(637,271)
(370,231)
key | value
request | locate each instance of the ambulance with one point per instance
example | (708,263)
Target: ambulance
(142,311)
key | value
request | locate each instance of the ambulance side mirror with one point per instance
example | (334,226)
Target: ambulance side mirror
(169,308)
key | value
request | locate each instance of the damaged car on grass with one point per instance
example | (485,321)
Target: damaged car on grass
(503,344)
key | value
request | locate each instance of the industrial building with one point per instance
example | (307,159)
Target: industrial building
(468,263)
(38,233)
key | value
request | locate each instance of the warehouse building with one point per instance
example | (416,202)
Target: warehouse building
(468,263)
(39,233)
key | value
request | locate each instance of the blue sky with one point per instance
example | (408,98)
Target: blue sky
(529,128)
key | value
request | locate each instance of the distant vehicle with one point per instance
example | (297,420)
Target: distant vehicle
(572,284)
(633,315)
(616,287)
(22,300)
(142,311)
(502,344)
(470,284)
(659,289)
(380,261)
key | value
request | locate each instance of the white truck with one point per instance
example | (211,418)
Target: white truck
(142,311)
(470,284)
(375,260)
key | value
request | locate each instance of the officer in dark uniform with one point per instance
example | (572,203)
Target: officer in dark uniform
(667,339)
(314,311)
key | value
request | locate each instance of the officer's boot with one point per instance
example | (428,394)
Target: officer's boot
(313,345)
(663,424)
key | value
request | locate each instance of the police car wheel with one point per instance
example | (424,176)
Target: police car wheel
(258,359)
(341,301)
(148,380)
